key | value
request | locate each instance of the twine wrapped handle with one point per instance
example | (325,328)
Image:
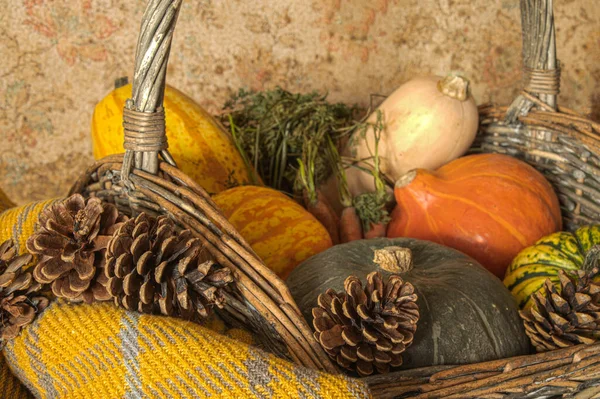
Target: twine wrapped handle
(143,116)
(541,72)
(541,81)
(144,131)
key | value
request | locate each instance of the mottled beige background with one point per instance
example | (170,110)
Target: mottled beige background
(59,57)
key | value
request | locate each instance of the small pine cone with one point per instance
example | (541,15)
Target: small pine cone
(568,317)
(71,244)
(153,268)
(20,300)
(370,326)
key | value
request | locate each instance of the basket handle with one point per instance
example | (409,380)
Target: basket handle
(541,70)
(143,116)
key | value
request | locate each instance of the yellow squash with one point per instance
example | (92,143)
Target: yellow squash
(281,232)
(543,260)
(200,146)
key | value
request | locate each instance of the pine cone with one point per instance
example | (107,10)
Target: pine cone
(71,243)
(368,327)
(19,294)
(569,317)
(153,268)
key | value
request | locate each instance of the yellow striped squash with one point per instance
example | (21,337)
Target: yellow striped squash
(281,232)
(199,144)
(543,260)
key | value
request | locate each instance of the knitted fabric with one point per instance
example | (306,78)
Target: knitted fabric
(100,351)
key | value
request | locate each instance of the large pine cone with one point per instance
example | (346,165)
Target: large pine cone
(365,327)
(20,300)
(153,268)
(566,318)
(71,242)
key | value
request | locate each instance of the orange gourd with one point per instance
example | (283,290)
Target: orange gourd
(488,206)
(281,232)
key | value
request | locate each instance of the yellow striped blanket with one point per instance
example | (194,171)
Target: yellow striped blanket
(101,351)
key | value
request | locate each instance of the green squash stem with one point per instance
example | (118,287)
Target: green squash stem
(592,258)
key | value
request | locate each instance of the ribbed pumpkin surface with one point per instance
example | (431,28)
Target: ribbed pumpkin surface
(488,206)
(559,251)
(201,148)
(281,232)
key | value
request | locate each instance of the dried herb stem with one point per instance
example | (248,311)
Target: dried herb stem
(372,207)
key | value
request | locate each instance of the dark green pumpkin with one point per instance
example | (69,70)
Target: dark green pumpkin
(467,315)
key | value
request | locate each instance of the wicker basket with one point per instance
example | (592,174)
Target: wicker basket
(558,142)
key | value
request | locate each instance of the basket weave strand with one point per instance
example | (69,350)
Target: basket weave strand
(553,374)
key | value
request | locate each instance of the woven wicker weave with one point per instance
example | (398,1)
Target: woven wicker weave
(139,181)
(558,142)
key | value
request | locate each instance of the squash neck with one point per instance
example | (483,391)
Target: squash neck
(394,259)
(455,87)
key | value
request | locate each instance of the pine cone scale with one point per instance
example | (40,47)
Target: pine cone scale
(51,245)
(124,265)
(349,353)
(50,269)
(147,291)
(140,246)
(332,338)
(351,336)
(78,284)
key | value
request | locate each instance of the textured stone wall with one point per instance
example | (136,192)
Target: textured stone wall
(59,57)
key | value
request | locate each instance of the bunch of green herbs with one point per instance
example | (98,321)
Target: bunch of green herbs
(281,134)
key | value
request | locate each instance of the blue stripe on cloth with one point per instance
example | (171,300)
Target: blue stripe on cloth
(130,349)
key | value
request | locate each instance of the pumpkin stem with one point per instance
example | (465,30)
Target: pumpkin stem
(592,258)
(406,179)
(122,81)
(454,86)
(394,259)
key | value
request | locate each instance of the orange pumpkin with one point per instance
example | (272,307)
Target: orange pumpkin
(488,206)
(281,232)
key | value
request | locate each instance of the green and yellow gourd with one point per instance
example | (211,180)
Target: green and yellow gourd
(543,260)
